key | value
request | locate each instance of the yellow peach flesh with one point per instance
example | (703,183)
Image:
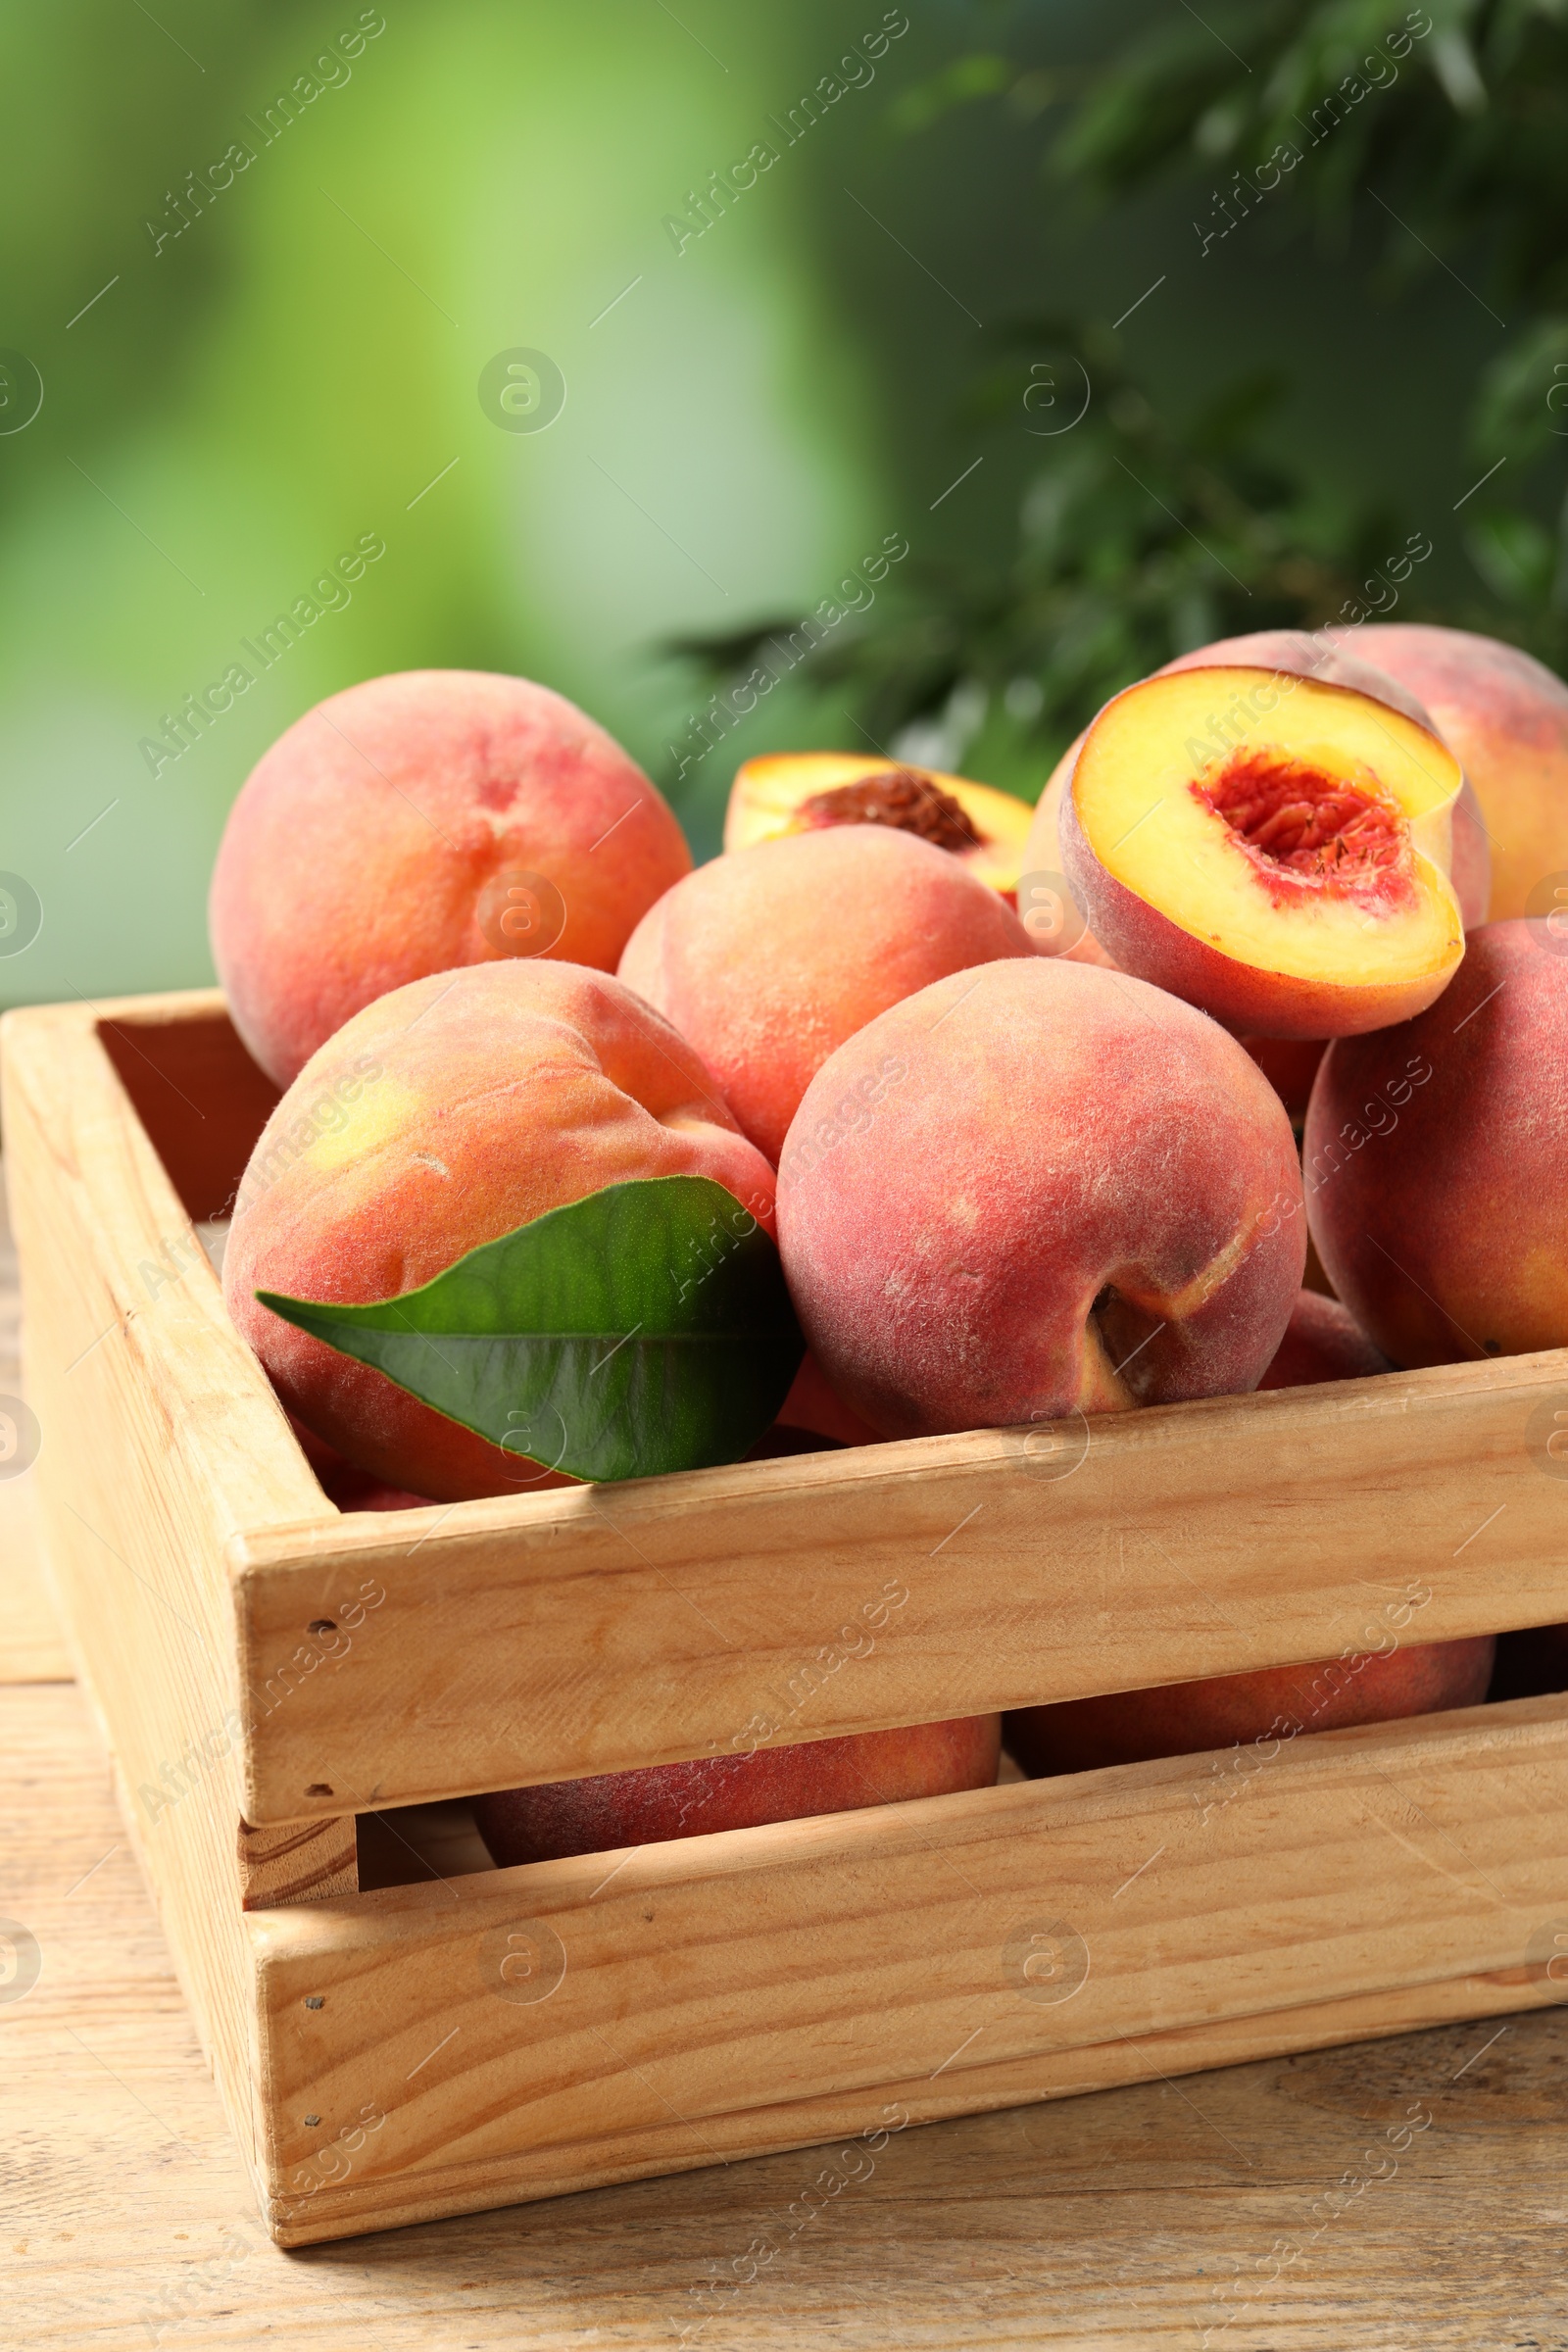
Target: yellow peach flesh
(1149,791)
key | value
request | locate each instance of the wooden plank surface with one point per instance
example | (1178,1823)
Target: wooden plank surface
(1104,2224)
(581,1631)
(300,1864)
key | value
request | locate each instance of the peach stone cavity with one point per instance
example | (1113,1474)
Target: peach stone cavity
(807,792)
(1305,831)
(899,796)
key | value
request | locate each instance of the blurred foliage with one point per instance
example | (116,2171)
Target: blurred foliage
(749,414)
(227,409)
(1435,140)
(1464,125)
(1133,544)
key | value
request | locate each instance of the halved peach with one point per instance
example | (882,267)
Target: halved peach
(801,792)
(1273,849)
(1319,656)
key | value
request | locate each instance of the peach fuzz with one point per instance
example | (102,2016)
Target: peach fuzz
(802,791)
(770,957)
(1272,848)
(1046,906)
(1274,1704)
(1036,1188)
(1323,1341)
(441,1116)
(1436,1156)
(418,823)
(348,1488)
(1507,718)
(662,1801)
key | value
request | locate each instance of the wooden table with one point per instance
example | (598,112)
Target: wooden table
(1223,2207)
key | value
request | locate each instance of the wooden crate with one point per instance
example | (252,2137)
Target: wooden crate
(277,1682)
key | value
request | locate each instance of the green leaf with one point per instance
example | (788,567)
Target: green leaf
(646,1328)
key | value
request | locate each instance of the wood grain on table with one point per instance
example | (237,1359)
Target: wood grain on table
(31,1649)
(1302,2205)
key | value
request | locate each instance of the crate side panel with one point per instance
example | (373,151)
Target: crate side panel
(196,1091)
(158,1438)
(594,1629)
(312,2217)
(571,2022)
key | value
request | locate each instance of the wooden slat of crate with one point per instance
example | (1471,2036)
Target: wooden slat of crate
(584,1631)
(723,1996)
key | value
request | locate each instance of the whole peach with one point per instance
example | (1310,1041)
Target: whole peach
(433,819)
(739,1792)
(1437,1161)
(1323,1341)
(1507,718)
(1038,1187)
(444,1115)
(770,957)
(1277,1702)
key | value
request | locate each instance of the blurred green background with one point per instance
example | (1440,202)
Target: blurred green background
(869,341)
